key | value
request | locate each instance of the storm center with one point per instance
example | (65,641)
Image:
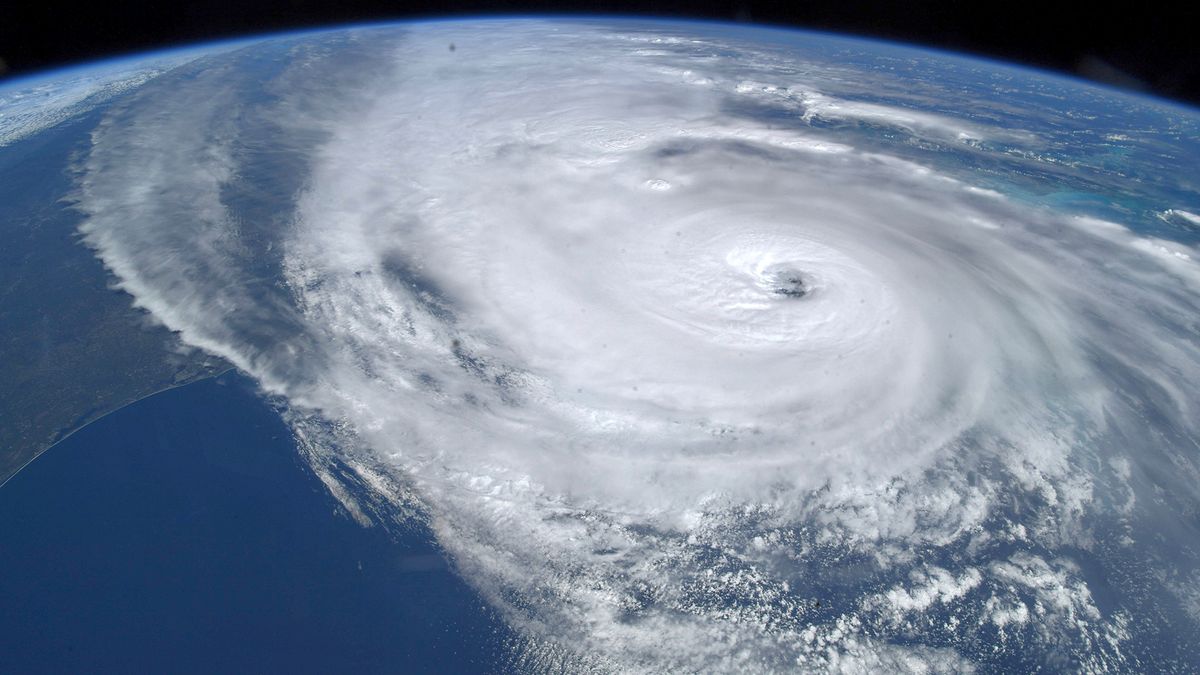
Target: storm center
(788,282)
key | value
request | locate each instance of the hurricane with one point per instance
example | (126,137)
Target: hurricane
(686,369)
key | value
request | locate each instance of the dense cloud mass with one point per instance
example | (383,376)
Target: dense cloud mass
(702,350)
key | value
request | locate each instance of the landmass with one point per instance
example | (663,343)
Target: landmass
(73,348)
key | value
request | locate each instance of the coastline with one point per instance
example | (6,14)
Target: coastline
(72,432)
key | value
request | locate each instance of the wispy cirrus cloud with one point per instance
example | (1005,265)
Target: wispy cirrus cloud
(678,389)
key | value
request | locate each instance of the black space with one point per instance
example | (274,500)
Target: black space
(1148,46)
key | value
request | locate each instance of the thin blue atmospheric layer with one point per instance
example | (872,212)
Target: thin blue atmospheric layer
(1012,351)
(183,534)
(105,66)
(1161,158)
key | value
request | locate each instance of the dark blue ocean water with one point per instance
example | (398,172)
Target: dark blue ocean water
(183,534)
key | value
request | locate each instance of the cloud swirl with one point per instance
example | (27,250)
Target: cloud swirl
(688,365)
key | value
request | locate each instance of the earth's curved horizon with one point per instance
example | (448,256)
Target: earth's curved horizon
(697,346)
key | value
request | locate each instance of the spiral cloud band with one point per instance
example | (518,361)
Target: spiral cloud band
(699,351)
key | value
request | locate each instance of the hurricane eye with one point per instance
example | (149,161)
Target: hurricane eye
(786,281)
(791,284)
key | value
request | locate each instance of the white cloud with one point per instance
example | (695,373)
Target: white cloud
(633,413)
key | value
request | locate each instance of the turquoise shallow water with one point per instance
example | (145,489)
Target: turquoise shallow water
(526,274)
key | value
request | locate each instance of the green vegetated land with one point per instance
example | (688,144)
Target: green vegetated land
(71,347)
